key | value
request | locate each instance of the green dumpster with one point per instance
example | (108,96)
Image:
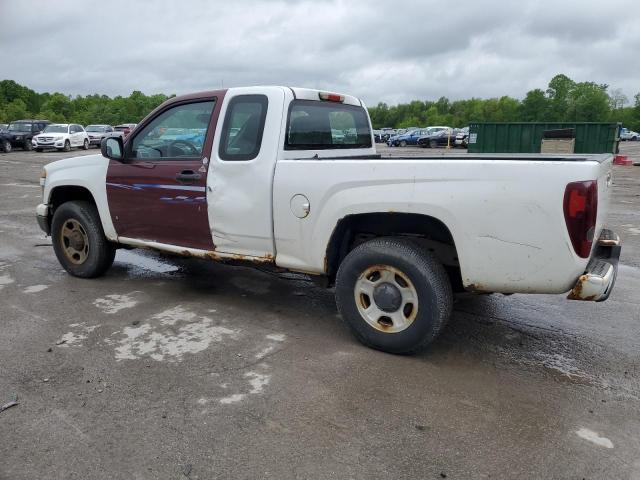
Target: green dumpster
(590,137)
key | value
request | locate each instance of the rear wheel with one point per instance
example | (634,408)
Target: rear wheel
(403,143)
(433,144)
(27,145)
(79,241)
(393,295)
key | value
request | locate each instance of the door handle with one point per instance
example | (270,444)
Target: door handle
(187,176)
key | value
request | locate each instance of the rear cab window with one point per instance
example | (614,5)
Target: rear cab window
(323,125)
(243,128)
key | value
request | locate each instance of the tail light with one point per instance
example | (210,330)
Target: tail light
(580,213)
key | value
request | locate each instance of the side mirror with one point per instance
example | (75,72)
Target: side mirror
(112,148)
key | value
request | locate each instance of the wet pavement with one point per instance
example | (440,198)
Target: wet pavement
(170,368)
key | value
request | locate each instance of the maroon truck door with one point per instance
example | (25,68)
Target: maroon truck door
(158,192)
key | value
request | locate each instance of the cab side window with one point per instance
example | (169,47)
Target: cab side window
(243,127)
(177,133)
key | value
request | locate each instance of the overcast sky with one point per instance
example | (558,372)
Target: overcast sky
(379,50)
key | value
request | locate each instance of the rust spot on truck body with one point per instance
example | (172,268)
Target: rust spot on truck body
(577,292)
(477,288)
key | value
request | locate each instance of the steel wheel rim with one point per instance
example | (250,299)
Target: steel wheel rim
(74,241)
(382,320)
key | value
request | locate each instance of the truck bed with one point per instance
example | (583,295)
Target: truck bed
(529,157)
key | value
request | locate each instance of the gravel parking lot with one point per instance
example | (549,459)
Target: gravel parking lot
(176,369)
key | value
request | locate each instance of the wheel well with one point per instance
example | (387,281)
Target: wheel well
(430,232)
(60,195)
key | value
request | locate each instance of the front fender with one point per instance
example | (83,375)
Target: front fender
(88,172)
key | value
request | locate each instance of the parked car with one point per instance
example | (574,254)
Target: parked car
(396,236)
(20,133)
(386,133)
(410,137)
(125,129)
(462,137)
(626,134)
(391,141)
(97,133)
(61,136)
(438,137)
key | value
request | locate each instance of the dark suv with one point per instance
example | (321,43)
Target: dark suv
(20,133)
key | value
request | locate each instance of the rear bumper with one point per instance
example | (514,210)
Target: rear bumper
(597,282)
(42,215)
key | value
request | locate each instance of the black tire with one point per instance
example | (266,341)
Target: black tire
(67,146)
(100,252)
(433,144)
(38,149)
(403,143)
(6,146)
(426,273)
(85,145)
(27,145)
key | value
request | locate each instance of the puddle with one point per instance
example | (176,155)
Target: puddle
(130,258)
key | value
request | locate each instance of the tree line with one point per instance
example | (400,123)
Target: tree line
(19,102)
(564,100)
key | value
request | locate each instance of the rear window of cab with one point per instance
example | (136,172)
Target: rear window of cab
(319,125)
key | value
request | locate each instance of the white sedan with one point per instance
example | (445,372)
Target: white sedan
(61,136)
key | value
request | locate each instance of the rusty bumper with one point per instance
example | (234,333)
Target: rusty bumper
(597,282)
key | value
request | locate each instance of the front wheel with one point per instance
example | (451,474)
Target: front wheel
(67,146)
(433,144)
(394,295)
(85,145)
(6,146)
(27,145)
(403,143)
(79,241)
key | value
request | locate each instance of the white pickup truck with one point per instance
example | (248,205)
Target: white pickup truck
(290,178)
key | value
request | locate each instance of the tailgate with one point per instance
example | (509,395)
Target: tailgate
(605,185)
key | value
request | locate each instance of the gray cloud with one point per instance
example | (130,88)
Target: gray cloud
(378,50)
